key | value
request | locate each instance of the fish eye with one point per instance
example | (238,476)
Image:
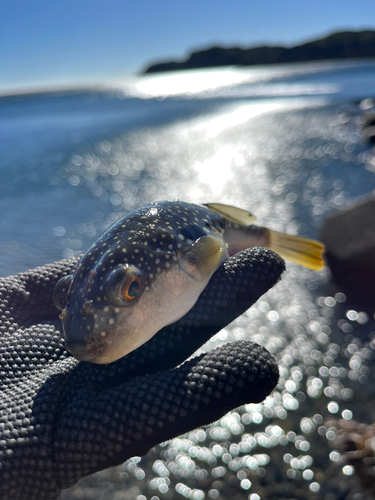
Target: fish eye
(124,285)
(60,292)
(133,287)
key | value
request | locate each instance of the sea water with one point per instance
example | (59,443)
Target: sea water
(284,142)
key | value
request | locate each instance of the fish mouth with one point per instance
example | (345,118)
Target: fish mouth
(89,350)
(89,347)
(83,351)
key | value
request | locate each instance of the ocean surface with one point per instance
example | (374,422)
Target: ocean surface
(284,142)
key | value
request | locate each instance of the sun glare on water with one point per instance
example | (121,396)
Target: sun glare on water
(190,82)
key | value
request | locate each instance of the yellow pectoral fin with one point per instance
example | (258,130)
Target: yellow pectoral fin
(303,251)
(308,253)
(203,257)
(233,214)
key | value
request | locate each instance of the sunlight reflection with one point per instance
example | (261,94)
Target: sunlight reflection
(220,163)
(228,82)
(242,113)
(191,82)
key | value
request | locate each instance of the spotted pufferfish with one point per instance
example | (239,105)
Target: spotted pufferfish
(148,269)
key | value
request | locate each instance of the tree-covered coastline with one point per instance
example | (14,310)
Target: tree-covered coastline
(342,45)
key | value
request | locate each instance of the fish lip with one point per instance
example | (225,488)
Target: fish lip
(90,349)
(86,352)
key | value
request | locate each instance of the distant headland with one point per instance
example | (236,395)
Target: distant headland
(342,45)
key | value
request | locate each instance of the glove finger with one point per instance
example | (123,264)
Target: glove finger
(30,292)
(231,291)
(102,429)
(235,286)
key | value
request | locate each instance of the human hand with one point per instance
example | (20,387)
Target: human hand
(61,419)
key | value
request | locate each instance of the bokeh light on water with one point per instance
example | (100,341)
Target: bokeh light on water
(291,161)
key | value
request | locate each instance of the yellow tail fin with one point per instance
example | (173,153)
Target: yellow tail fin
(307,253)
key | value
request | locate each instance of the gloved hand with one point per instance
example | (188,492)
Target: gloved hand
(61,419)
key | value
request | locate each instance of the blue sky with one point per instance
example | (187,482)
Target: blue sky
(71,42)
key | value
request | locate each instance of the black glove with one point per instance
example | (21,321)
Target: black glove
(61,419)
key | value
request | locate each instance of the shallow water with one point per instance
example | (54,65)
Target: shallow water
(283,142)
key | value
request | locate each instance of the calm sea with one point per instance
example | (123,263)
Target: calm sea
(284,142)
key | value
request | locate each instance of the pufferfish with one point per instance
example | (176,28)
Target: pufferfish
(148,269)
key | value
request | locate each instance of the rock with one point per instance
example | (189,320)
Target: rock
(370,134)
(366,104)
(356,443)
(369,120)
(369,128)
(349,237)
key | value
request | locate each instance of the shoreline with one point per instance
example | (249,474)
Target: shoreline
(47,90)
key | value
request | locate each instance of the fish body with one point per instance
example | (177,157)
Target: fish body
(149,268)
